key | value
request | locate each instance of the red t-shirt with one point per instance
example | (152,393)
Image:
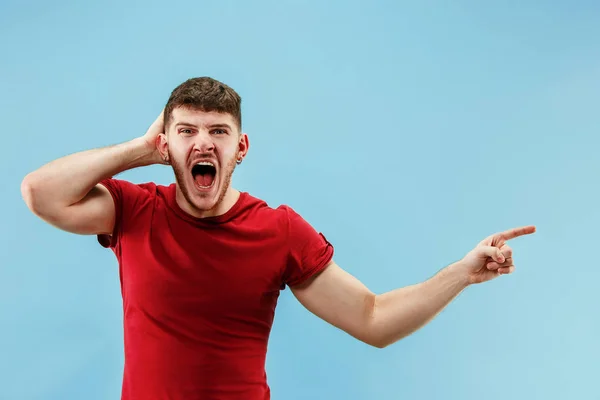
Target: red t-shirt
(199,295)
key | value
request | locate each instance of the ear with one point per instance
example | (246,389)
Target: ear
(243,146)
(162,145)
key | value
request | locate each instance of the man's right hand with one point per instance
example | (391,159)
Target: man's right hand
(151,139)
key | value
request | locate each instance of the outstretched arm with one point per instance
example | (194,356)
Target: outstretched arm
(380,320)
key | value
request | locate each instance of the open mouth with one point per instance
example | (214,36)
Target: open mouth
(204,174)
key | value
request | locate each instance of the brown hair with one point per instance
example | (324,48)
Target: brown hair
(205,94)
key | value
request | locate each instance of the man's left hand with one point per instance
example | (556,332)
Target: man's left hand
(492,257)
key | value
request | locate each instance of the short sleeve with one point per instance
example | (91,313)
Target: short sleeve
(309,251)
(126,196)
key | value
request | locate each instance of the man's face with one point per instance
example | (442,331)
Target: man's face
(203,148)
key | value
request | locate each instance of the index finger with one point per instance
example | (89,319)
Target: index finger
(516,232)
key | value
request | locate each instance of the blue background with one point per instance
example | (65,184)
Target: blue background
(405,132)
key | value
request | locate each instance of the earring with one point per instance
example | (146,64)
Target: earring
(239,161)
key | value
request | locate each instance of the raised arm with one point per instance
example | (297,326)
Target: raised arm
(380,320)
(66,193)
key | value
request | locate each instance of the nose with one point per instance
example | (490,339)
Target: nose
(204,142)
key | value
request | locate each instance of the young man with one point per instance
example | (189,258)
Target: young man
(202,264)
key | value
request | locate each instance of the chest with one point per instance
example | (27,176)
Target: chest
(169,266)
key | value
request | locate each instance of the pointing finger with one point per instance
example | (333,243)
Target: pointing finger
(516,232)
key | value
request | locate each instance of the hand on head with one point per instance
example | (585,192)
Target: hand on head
(151,138)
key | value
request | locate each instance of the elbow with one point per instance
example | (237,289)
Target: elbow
(378,345)
(28,192)
(374,335)
(379,332)
(378,342)
(32,196)
(375,341)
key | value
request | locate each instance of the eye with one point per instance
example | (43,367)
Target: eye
(219,131)
(185,131)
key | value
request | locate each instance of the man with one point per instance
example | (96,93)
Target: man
(202,264)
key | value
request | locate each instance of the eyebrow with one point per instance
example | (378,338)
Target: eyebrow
(184,123)
(220,126)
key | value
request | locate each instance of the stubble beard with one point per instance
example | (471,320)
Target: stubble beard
(185,190)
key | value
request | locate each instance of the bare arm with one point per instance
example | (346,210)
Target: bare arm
(380,320)
(66,193)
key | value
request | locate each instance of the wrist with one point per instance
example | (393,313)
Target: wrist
(140,153)
(459,273)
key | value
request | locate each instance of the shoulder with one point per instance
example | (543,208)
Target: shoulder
(262,207)
(127,187)
(287,218)
(129,194)
(258,211)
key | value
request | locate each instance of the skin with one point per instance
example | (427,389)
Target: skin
(381,320)
(66,194)
(193,136)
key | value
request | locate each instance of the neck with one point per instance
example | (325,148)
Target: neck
(225,204)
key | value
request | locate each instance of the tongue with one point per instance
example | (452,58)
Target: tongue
(204,179)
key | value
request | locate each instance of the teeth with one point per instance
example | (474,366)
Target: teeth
(205,163)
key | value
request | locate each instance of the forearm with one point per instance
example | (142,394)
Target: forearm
(401,312)
(67,180)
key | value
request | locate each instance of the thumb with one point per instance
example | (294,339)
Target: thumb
(493,252)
